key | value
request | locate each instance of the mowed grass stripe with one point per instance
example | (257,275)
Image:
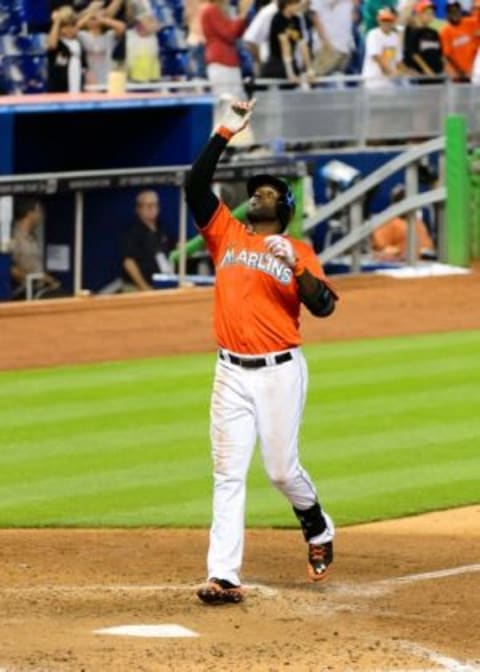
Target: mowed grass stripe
(391,427)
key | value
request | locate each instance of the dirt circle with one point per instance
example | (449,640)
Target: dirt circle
(389,604)
(402,595)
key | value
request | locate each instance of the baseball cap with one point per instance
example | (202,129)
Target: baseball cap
(422,5)
(386,14)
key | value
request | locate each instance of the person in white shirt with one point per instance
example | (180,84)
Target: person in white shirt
(98,34)
(332,53)
(383,52)
(256,37)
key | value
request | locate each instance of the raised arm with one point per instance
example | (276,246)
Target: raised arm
(198,187)
(54,34)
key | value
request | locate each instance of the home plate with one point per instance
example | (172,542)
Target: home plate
(165,630)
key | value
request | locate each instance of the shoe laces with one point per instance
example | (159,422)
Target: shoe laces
(317,552)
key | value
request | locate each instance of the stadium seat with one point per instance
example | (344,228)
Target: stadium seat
(175,63)
(177,6)
(8,45)
(12,17)
(164,14)
(171,37)
(25,73)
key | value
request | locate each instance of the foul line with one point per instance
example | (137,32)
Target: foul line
(449,664)
(425,576)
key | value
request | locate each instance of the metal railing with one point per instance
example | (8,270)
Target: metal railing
(342,110)
(352,198)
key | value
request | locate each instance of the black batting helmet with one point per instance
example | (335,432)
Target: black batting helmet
(286,201)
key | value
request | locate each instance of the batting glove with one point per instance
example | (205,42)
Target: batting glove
(281,247)
(237,116)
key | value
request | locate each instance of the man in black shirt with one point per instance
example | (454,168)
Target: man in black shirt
(423,49)
(146,246)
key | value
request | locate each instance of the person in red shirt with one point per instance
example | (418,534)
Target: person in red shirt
(263,276)
(221,34)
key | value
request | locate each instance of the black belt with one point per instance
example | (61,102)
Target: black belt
(255,362)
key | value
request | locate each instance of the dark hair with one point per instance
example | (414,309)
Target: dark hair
(24,206)
(285,3)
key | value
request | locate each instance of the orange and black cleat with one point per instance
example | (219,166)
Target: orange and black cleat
(219,591)
(319,558)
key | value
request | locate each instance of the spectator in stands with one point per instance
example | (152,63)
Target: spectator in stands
(76,5)
(66,59)
(98,33)
(335,30)
(138,8)
(195,37)
(146,246)
(458,43)
(143,57)
(27,255)
(389,242)
(288,48)
(221,34)
(383,52)
(422,50)
(370,9)
(257,35)
(473,22)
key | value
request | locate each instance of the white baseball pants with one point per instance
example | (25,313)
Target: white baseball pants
(267,403)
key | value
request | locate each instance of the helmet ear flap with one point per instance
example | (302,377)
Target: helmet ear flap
(286,208)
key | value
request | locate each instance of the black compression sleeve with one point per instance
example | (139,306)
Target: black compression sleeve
(200,197)
(321,301)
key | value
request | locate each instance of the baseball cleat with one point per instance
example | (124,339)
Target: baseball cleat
(219,591)
(319,557)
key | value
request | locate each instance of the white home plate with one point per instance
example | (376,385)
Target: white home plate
(165,630)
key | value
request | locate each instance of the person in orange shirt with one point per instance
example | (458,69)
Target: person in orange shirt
(458,43)
(389,242)
(262,278)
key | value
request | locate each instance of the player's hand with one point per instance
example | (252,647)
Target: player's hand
(238,115)
(282,248)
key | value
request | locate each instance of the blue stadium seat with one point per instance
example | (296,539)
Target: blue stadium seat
(171,37)
(177,7)
(8,45)
(31,43)
(164,14)
(12,17)
(25,73)
(175,63)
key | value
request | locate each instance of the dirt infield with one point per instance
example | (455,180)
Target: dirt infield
(387,605)
(403,595)
(97,329)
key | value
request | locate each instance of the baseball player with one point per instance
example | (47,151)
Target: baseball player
(262,277)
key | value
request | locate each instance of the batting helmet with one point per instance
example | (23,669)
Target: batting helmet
(286,200)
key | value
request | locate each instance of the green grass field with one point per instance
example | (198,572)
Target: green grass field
(392,427)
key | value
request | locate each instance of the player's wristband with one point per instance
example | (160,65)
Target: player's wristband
(225,132)
(299,268)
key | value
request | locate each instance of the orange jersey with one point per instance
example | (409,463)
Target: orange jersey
(257,306)
(395,232)
(459,44)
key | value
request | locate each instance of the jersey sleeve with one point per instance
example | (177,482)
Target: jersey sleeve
(221,225)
